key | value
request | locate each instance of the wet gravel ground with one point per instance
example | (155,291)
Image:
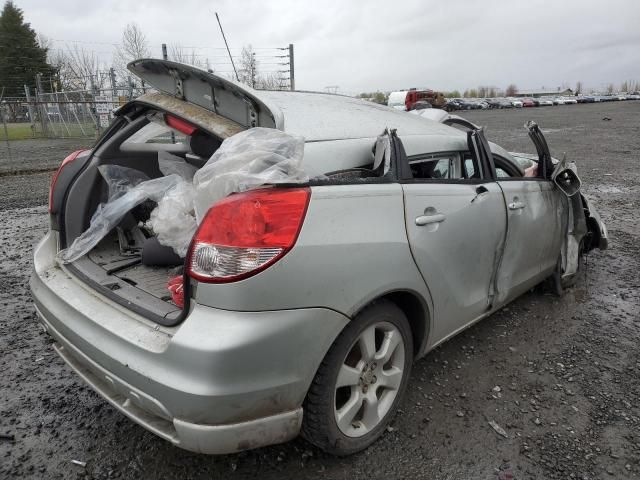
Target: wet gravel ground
(26,168)
(561,376)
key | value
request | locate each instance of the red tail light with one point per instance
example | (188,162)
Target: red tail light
(180,125)
(64,163)
(245,233)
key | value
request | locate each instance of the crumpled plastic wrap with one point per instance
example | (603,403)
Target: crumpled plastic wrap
(255,157)
(122,199)
(173,220)
(382,153)
(246,160)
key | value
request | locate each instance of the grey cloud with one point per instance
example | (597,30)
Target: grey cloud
(363,46)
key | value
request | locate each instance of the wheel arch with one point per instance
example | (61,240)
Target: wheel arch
(416,309)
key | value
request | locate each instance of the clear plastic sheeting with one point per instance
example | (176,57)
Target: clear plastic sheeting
(255,157)
(382,153)
(173,220)
(123,196)
(246,160)
(121,179)
(170,164)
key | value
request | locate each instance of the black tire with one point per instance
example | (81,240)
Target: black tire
(319,425)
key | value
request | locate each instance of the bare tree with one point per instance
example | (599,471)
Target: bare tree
(271,81)
(511,90)
(610,88)
(133,46)
(180,54)
(579,87)
(248,67)
(78,69)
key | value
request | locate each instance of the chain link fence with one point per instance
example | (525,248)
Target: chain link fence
(70,114)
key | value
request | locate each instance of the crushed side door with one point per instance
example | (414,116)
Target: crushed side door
(572,245)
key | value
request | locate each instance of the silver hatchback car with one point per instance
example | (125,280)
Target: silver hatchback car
(319,296)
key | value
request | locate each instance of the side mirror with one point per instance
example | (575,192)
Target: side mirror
(567,180)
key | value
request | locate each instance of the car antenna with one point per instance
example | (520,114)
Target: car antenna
(227,45)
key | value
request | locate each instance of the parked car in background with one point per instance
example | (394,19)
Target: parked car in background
(528,102)
(420,105)
(570,100)
(460,104)
(397,100)
(545,102)
(516,103)
(494,102)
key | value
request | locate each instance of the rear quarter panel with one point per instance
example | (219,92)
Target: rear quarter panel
(352,249)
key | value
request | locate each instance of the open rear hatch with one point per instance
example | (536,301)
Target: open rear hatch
(225,97)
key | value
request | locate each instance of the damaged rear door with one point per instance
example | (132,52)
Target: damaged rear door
(456,222)
(225,97)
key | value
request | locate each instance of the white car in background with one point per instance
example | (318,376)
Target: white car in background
(569,100)
(398,100)
(516,103)
(545,102)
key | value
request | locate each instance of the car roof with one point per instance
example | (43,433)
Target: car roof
(322,116)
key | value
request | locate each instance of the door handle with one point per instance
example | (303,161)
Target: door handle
(516,205)
(423,220)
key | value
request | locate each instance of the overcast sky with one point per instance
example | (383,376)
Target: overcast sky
(386,45)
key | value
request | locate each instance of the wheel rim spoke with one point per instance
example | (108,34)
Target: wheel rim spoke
(348,376)
(369,379)
(391,378)
(367,343)
(389,344)
(347,413)
(371,415)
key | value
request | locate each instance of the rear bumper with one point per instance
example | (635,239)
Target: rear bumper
(220,382)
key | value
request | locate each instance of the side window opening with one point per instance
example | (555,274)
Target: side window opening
(471,170)
(437,167)
(505,169)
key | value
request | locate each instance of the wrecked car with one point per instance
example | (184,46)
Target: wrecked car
(299,305)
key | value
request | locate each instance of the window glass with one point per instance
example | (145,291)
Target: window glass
(432,168)
(155,132)
(469,168)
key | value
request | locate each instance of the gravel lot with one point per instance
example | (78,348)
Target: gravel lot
(560,375)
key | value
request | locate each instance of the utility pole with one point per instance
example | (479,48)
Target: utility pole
(292,76)
(130,83)
(4,122)
(112,76)
(41,106)
(227,45)
(166,57)
(32,119)
(253,69)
